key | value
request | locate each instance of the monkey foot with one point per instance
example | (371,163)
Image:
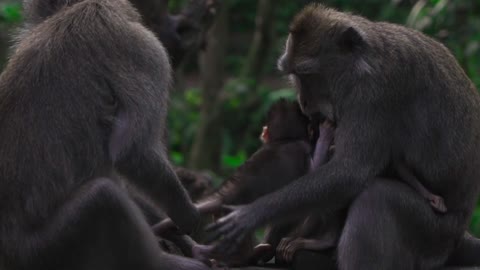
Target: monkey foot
(287,248)
(438,204)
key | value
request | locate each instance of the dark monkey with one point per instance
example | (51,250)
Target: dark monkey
(394,94)
(78,69)
(275,232)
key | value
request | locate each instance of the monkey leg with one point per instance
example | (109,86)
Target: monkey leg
(467,252)
(151,213)
(154,215)
(105,230)
(265,251)
(390,226)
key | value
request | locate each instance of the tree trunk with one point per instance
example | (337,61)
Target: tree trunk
(206,149)
(262,41)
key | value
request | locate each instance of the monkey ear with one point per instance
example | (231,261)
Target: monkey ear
(350,39)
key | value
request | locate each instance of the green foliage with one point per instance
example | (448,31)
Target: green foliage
(175,5)
(10,12)
(183,123)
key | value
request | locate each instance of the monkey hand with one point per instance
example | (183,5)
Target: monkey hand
(164,226)
(287,249)
(262,253)
(231,230)
(202,253)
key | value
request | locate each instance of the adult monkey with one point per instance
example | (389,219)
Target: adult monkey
(82,73)
(396,95)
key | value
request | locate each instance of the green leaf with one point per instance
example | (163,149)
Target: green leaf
(11,12)
(234,161)
(177,157)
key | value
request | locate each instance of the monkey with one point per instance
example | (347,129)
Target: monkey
(71,79)
(386,88)
(274,234)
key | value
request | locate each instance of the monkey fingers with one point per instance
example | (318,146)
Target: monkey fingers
(219,228)
(230,230)
(164,226)
(288,247)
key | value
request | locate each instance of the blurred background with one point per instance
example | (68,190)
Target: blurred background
(227,80)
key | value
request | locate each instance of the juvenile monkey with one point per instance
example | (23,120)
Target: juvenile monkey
(275,232)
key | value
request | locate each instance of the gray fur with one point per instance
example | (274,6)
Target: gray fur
(76,67)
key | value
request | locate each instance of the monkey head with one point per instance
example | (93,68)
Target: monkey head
(322,47)
(36,11)
(285,121)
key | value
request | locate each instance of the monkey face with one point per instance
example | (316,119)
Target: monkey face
(319,56)
(312,96)
(308,78)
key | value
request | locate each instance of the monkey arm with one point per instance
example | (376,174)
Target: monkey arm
(155,177)
(141,86)
(231,191)
(360,155)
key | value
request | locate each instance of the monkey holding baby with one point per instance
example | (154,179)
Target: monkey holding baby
(396,97)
